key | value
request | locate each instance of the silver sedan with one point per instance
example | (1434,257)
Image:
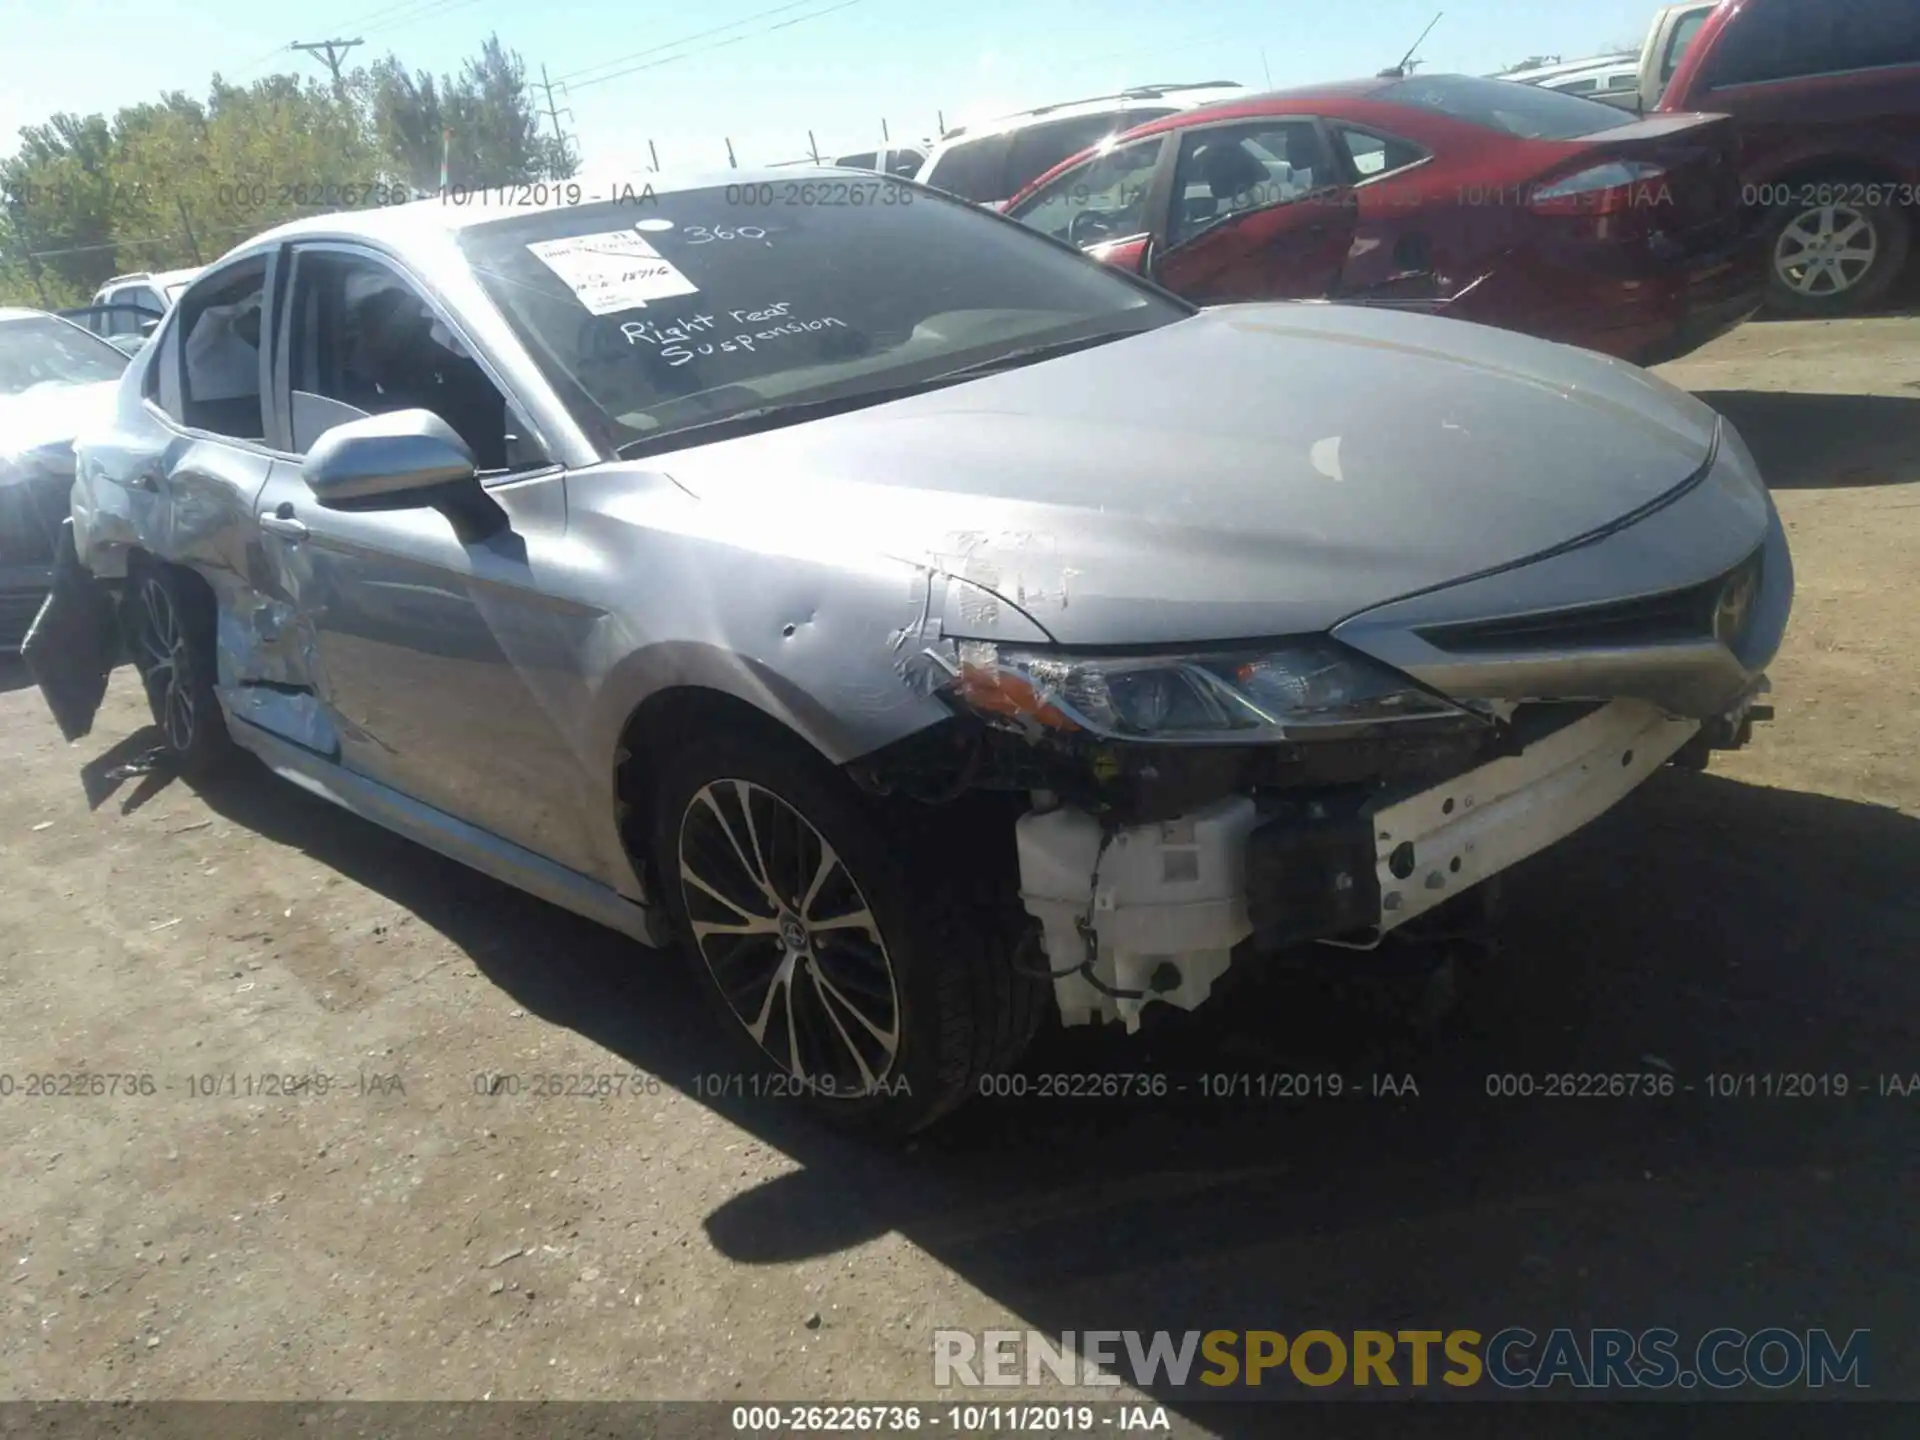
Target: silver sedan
(924,628)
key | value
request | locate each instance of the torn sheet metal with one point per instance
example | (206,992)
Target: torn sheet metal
(74,642)
(266,664)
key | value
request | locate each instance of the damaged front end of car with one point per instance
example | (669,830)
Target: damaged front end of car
(1196,810)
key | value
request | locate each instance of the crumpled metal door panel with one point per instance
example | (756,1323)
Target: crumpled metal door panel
(270,665)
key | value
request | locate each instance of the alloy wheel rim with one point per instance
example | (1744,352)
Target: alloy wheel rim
(787,934)
(1826,250)
(163,644)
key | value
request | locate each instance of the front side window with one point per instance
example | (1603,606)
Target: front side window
(220,353)
(1104,198)
(41,350)
(1227,170)
(1781,39)
(1038,148)
(974,170)
(698,306)
(362,341)
(1531,112)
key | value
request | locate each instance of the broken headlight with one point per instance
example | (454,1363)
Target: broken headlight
(1300,690)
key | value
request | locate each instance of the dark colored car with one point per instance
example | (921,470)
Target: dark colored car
(54,378)
(1470,198)
(1826,94)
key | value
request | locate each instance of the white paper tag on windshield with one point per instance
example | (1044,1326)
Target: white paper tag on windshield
(613,271)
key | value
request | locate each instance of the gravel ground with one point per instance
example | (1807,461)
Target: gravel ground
(402,1236)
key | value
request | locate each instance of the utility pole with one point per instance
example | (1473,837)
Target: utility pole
(559,136)
(331,53)
(193,245)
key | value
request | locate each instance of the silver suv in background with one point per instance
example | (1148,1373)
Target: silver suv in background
(991,162)
(126,310)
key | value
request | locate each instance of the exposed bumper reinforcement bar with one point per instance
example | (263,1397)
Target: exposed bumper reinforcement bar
(1154,912)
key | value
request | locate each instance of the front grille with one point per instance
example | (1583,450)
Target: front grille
(1674,616)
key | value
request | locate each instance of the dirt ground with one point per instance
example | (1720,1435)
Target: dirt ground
(404,1236)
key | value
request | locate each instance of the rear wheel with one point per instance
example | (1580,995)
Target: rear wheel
(172,627)
(838,951)
(1833,259)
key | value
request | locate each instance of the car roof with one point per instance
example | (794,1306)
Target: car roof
(20,312)
(1186,96)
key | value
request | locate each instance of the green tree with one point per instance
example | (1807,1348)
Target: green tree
(177,181)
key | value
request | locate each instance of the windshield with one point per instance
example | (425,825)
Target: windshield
(680,310)
(1532,112)
(44,351)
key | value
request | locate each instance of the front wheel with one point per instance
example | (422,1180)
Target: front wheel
(1836,258)
(863,983)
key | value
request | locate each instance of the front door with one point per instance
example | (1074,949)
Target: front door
(1257,211)
(447,659)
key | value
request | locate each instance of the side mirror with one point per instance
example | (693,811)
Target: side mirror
(403,460)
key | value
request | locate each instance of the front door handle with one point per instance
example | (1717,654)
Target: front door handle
(281,522)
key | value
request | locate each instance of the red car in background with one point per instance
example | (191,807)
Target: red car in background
(1826,94)
(1478,199)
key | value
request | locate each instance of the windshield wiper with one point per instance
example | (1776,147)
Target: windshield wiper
(791,412)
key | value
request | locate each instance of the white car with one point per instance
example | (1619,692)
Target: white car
(1614,79)
(126,309)
(991,162)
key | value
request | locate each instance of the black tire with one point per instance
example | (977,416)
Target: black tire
(170,627)
(960,1008)
(1826,286)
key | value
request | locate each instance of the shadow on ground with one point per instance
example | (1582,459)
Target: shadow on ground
(1704,929)
(14,674)
(1902,299)
(1808,442)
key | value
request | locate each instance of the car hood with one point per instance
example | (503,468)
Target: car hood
(1251,471)
(52,414)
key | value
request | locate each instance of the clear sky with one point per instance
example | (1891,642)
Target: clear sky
(697,74)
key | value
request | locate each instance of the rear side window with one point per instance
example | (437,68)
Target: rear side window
(973,169)
(1530,112)
(1779,39)
(1374,155)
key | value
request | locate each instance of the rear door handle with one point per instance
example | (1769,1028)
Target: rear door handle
(281,522)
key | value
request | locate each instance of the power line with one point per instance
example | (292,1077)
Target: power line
(686,39)
(432,10)
(718,45)
(559,135)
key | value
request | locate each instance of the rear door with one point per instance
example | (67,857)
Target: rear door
(1257,210)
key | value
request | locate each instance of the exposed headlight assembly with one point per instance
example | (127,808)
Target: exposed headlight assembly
(1305,689)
